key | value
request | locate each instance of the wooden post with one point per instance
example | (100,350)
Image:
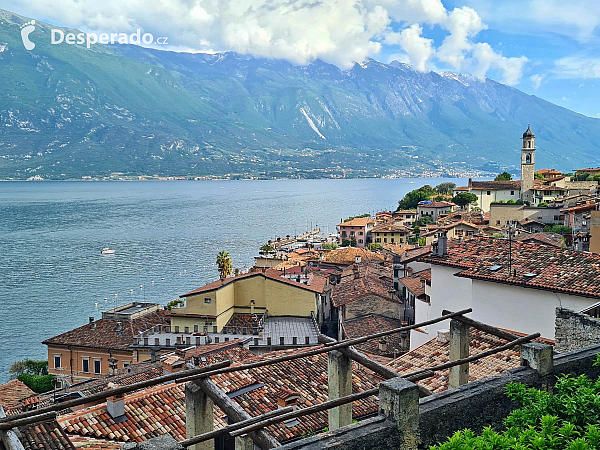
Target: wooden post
(9,437)
(198,415)
(339,377)
(459,348)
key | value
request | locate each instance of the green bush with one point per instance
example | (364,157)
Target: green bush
(511,202)
(329,246)
(349,242)
(412,199)
(566,419)
(373,246)
(31,366)
(542,205)
(37,383)
(560,229)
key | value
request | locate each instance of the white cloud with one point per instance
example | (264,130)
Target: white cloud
(418,49)
(579,66)
(337,31)
(537,80)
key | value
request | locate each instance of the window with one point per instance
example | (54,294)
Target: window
(360,241)
(85,365)
(344,233)
(512,192)
(176,329)
(195,328)
(360,233)
(207,300)
(392,240)
(97,366)
(555,217)
(126,364)
(187,330)
(352,233)
(497,222)
(385,240)
(489,193)
(378,240)
(57,362)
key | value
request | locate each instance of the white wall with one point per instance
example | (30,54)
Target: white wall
(447,292)
(496,195)
(506,306)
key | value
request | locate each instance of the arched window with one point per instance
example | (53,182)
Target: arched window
(528,144)
(528,158)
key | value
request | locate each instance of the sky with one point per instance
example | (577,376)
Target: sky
(548,48)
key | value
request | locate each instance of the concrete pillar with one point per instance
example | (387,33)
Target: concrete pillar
(198,415)
(244,443)
(459,348)
(399,400)
(163,442)
(538,356)
(339,377)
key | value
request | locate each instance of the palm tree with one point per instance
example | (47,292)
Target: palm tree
(224,264)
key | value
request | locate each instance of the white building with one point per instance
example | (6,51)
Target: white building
(519,295)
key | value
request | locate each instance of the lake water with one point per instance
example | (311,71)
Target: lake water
(52,276)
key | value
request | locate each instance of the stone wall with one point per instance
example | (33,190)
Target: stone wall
(575,330)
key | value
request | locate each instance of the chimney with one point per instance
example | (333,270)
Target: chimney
(356,272)
(443,336)
(172,364)
(442,245)
(404,340)
(112,366)
(119,326)
(357,259)
(470,183)
(152,355)
(91,319)
(383,346)
(423,283)
(286,397)
(115,404)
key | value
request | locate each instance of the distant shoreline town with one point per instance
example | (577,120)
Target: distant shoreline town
(324,331)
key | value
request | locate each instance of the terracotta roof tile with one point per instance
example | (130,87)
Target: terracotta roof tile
(358,222)
(161,410)
(505,185)
(414,282)
(13,393)
(374,323)
(104,333)
(347,256)
(553,269)
(433,353)
(362,280)
(44,436)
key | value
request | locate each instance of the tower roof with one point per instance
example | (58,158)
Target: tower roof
(528,132)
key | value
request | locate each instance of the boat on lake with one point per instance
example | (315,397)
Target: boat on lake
(107,251)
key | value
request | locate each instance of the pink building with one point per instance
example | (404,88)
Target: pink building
(356,230)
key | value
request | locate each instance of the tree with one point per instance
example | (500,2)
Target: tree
(582,176)
(539,176)
(465,199)
(504,176)
(445,188)
(542,204)
(511,202)
(357,217)
(412,199)
(424,220)
(30,366)
(373,246)
(224,264)
(329,246)
(560,229)
(349,242)
(267,248)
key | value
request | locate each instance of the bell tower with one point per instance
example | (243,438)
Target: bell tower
(528,165)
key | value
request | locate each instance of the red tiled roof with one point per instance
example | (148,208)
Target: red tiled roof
(491,185)
(362,280)
(357,222)
(414,282)
(441,204)
(103,333)
(271,274)
(44,436)
(13,392)
(347,256)
(555,269)
(374,323)
(554,239)
(433,353)
(390,227)
(161,410)
(220,351)
(587,207)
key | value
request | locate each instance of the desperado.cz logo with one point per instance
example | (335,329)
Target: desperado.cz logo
(59,36)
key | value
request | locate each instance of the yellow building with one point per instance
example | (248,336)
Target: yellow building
(213,305)
(390,233)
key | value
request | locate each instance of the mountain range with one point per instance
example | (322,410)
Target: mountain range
(68,111)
